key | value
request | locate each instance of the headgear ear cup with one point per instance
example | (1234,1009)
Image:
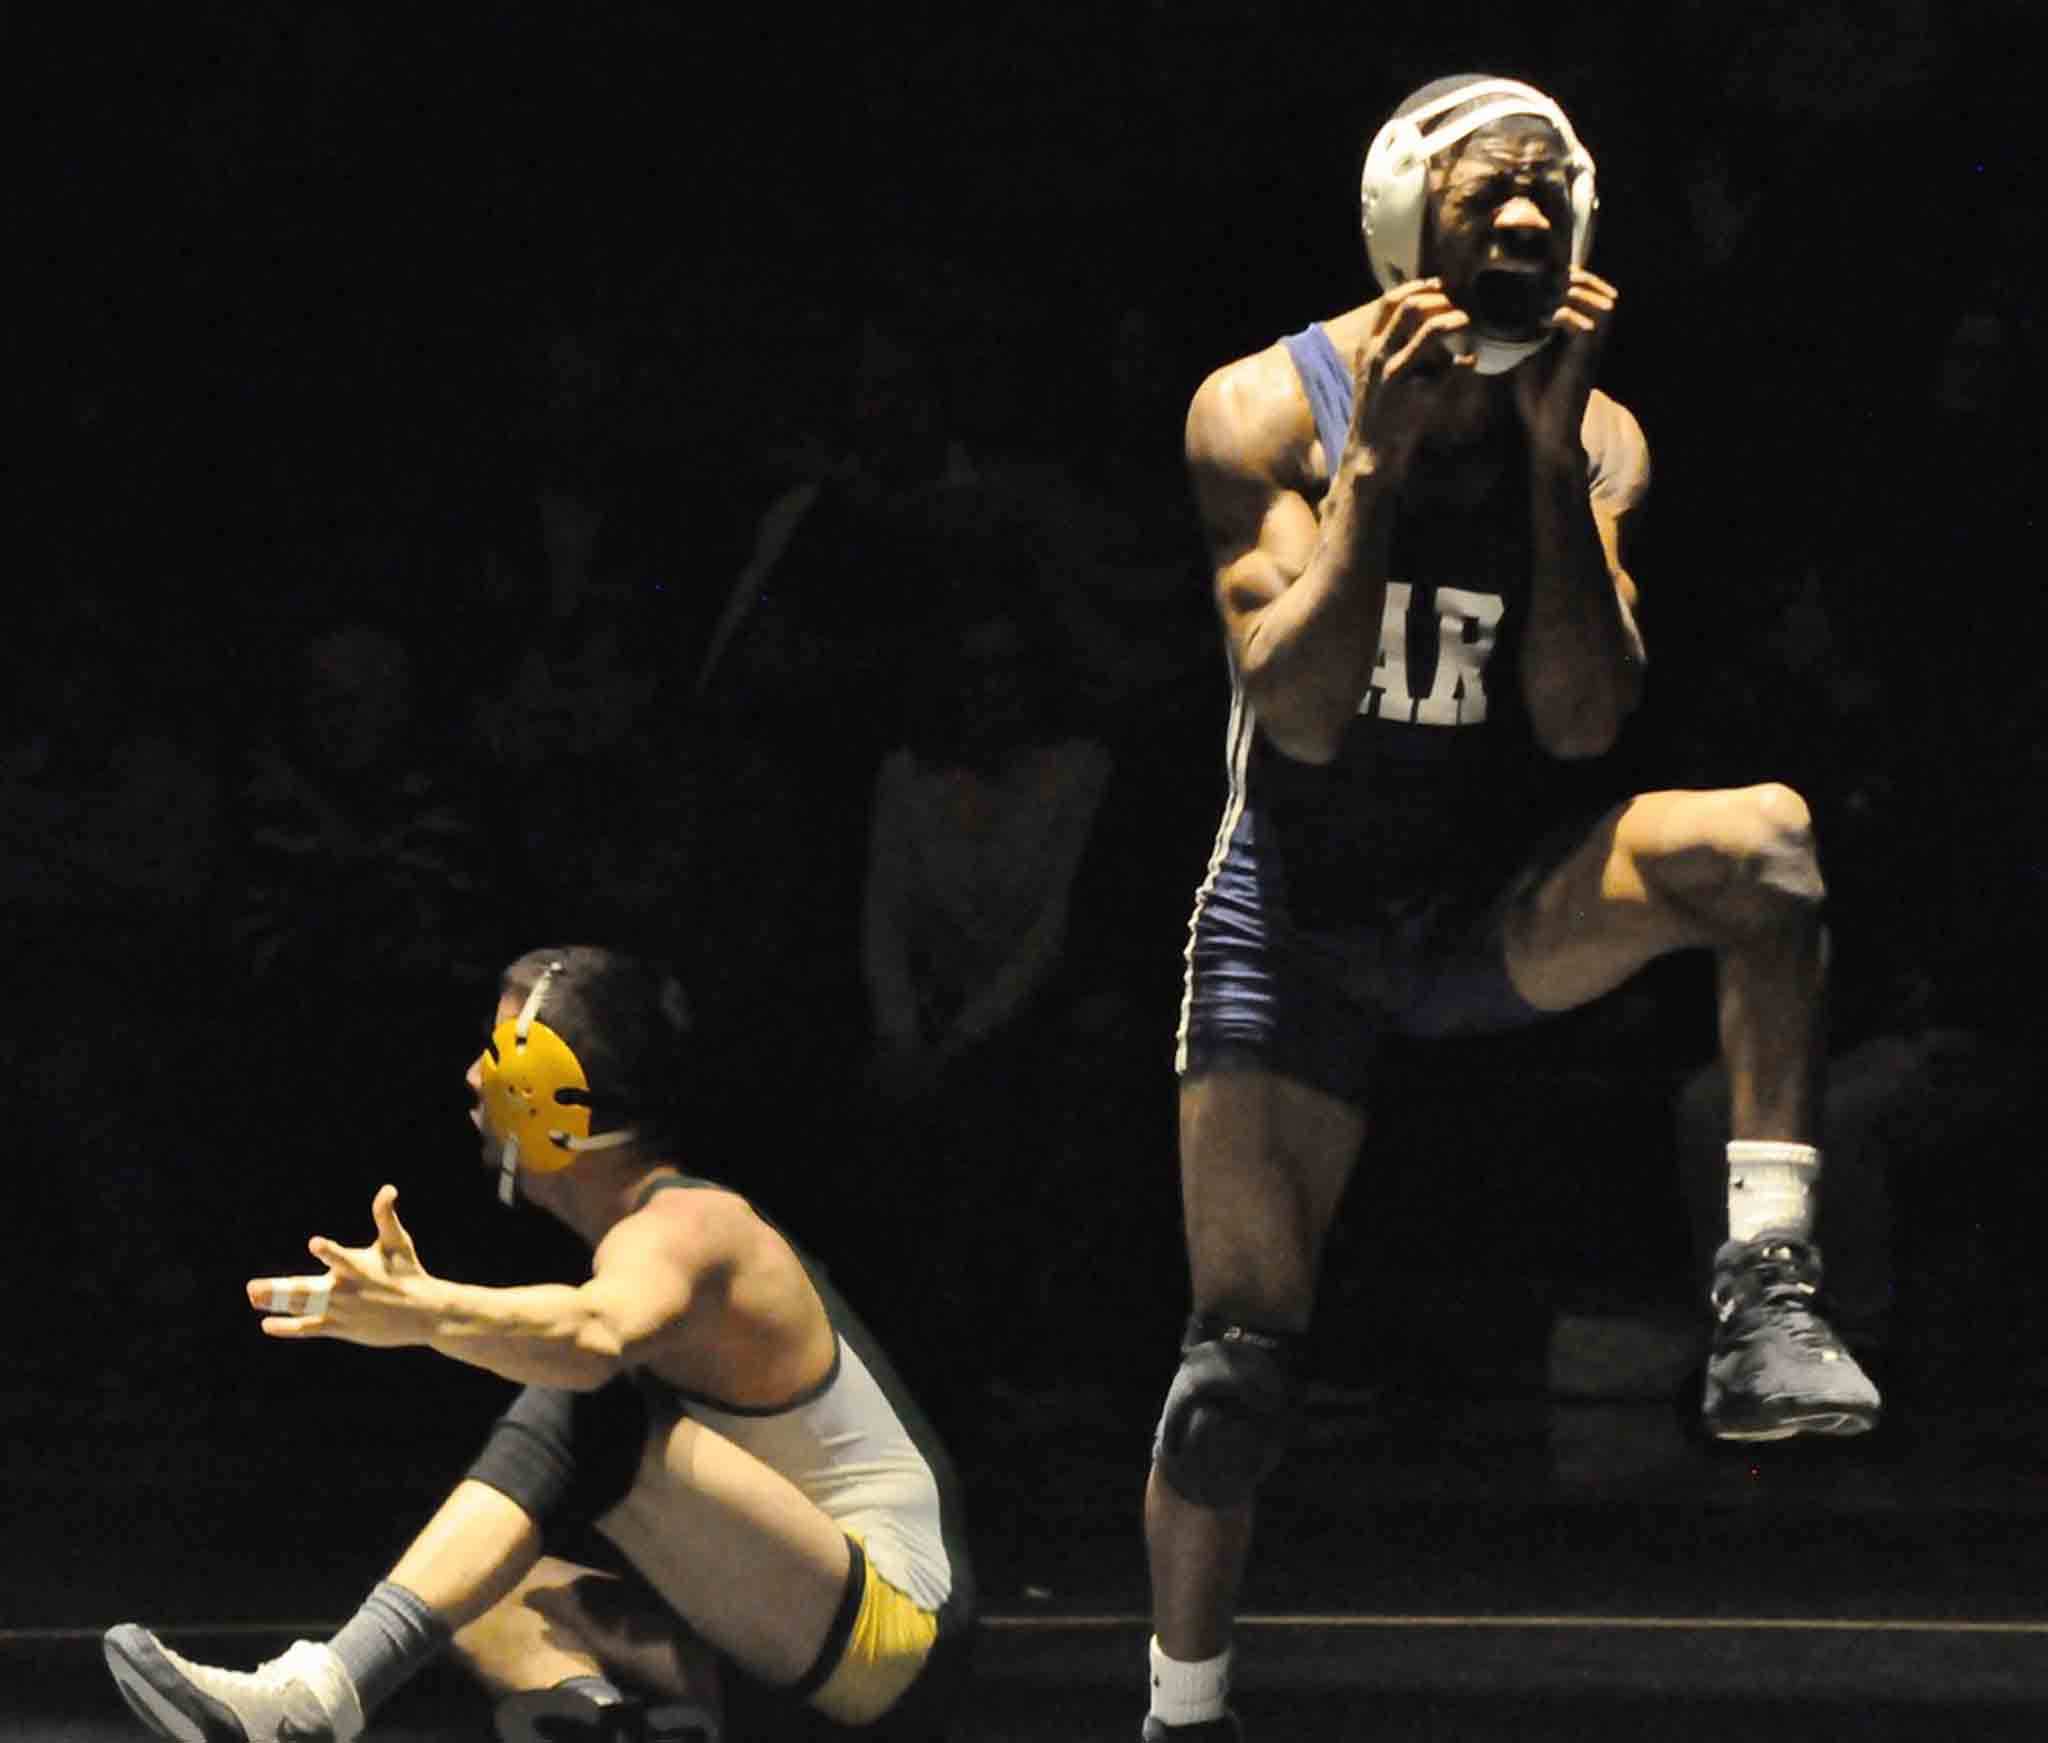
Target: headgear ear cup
(1392,196)
(536,1097)
(1585,208)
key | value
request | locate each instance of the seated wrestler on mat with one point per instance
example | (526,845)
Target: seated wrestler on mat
(711,1504)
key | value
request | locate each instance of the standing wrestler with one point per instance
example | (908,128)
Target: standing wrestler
(1417,513)
(712,1491)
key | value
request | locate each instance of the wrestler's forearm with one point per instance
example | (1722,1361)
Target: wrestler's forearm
(1582,657)
(1307,660)
(542,1334)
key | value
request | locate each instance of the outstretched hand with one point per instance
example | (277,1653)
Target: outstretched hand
(368,1295)
(1552,387)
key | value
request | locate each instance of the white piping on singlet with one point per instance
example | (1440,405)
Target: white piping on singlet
(1237,759)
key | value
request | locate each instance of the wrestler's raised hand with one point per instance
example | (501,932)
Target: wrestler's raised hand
(367,1295)
(1551,388)
(1402,370)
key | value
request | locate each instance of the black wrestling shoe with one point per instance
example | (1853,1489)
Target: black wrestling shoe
(1223,1730)
(1776,1368)
(564,1715)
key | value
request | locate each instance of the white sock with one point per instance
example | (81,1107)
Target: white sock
(1771,1186)
(1189,1694)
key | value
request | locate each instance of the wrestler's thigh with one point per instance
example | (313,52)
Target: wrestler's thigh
(1617,900)
(754,1567)
(620,1622)
(1264,1161)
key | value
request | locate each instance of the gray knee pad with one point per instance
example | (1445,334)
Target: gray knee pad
(1230,1413)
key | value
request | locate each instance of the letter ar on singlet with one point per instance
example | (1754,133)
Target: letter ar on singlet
(1434,646)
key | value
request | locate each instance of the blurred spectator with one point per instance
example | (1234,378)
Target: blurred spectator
(984,1028)
(960,782)
(105,804)
(597,507)
(109,851)
(1126,581)
(359,859)
(848,555)
(360,919)
(1769,151)
(798,696)
(554,509)
(594,787)
(1123,570)
(977,829)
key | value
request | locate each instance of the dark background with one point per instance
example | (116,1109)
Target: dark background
(323,303)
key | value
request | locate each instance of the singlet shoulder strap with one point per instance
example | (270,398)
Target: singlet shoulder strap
(1326,378)
(650,1384)
(663,1182)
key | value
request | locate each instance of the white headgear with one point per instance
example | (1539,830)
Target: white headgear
(1394,187)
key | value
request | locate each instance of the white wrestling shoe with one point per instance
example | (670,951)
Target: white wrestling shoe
(301,1696)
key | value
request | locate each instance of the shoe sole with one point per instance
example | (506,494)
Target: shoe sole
(542,1715)
(1837,1424)
(159,1696)
(525,1717)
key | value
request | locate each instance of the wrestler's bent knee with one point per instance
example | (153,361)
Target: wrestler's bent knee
(1747,865)
(1785,861)
(565,1458)
(1230,1412)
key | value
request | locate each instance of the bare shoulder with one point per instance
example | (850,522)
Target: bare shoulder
(1617,452)
(1251,419)
(700,1227)
(1250,416)
(1612,422)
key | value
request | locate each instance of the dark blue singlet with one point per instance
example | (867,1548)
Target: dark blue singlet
(1366,894)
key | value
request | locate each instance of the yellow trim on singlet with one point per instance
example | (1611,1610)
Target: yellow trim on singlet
(890,1640)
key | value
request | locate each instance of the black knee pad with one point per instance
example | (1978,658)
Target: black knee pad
(567,1458)
(1230,1413)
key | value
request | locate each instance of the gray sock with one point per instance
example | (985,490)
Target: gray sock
(382,1644)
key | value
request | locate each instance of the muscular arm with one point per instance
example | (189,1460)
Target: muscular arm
(1300,598)
(1582,660)
(643,1281)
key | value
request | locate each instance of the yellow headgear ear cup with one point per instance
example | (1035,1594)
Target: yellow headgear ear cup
(536,1098)
(524,1077)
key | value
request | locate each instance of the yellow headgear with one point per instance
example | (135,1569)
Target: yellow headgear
(536,1097)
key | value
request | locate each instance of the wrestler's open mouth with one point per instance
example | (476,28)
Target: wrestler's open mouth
(1514,299)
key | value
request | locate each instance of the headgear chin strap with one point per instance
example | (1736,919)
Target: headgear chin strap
(1393,190)
(536,1098)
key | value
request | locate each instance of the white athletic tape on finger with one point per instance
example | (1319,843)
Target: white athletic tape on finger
(286,1297)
